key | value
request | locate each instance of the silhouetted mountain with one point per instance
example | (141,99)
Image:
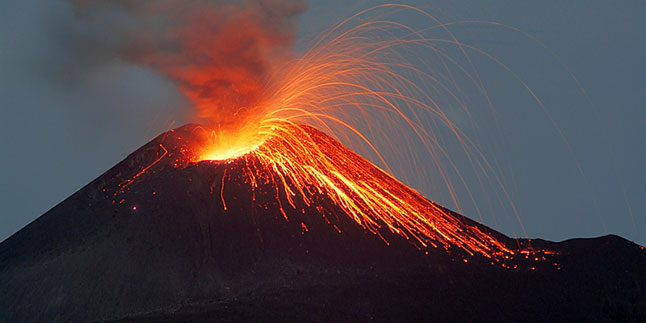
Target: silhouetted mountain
(152,240)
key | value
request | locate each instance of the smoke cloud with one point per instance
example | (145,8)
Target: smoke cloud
(218,53)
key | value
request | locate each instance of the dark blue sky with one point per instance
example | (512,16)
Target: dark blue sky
(66,120)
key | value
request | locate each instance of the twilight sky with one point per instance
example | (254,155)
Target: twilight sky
(67,118)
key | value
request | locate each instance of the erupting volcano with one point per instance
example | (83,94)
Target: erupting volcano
(266,212)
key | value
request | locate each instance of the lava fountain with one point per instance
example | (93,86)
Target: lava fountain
(359,83)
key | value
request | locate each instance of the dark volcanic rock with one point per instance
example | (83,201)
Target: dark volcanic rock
(159,246)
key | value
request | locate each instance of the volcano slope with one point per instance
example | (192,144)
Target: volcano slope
(162,238)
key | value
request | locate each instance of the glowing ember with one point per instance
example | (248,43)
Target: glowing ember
(300,164)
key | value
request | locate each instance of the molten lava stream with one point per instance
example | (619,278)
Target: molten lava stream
(303,159)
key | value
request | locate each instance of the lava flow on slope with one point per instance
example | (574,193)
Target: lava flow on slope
(301,171)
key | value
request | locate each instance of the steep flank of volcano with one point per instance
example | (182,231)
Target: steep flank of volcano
(164,236)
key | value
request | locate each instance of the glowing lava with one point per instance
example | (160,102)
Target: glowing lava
(361,85)
(222,146)
(301,163)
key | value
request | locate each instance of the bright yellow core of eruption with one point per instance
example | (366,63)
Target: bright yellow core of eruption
(220,153)
(223,146)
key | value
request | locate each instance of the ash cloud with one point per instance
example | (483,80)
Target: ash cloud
(218,53)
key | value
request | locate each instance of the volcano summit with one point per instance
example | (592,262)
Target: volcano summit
(297,228)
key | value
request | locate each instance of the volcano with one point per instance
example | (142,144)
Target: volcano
(266,236)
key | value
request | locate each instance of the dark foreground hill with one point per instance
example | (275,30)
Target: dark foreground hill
(151,240)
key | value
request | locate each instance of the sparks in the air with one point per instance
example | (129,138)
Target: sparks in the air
(355,84)
(360,83)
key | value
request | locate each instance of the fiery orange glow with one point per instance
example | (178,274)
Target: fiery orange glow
(301,164)
(359,84)
(354,86)
(220,146)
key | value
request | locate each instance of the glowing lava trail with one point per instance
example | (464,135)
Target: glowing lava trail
(301,164)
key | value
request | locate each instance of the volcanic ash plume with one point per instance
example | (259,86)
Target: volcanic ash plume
(219,53)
